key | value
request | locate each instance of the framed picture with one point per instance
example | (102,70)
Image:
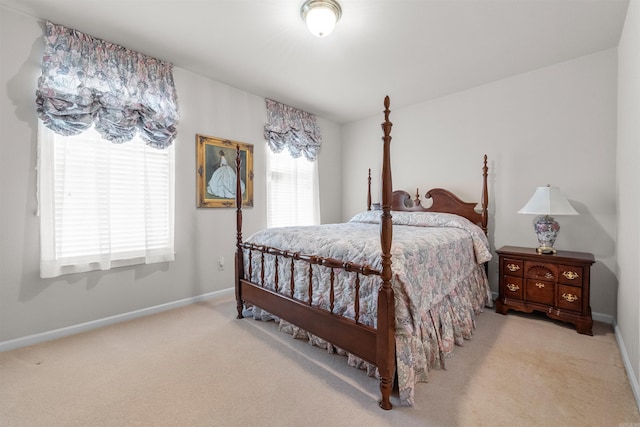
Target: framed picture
(216,173)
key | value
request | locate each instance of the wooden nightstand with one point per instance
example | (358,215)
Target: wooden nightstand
(556,284)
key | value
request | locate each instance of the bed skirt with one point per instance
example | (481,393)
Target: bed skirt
(424,340)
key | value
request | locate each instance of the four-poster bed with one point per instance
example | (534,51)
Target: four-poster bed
(334,284)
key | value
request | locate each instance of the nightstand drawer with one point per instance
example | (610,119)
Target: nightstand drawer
(540,271)
(570,297)
(513,267)
(539,291)
(513,287)
(570,275)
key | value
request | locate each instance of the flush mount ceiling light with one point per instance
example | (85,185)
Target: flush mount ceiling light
(321,16)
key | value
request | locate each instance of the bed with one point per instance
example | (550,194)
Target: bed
(337,286)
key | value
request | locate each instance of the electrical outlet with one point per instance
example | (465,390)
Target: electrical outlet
(221,263)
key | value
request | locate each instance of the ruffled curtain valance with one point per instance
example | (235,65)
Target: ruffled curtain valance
(86,80)
(293,129)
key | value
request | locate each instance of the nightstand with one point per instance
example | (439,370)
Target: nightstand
(556,284)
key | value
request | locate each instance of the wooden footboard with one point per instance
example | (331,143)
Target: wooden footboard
(376,346)
(348,334)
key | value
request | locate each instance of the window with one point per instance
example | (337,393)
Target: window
(293,139)
(106,196)
(103,205)
(292,190)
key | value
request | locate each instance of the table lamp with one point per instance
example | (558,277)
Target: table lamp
(547,202)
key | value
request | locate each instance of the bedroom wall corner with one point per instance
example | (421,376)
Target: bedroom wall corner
(628,195)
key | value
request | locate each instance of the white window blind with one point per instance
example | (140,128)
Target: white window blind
(103,205)
(292,190)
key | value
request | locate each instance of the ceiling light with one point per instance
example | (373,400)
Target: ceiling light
(321,16)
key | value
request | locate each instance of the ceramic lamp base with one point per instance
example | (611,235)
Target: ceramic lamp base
(547,231)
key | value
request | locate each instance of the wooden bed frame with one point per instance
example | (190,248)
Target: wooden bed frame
(376,346)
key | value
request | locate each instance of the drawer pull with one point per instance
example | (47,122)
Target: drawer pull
(570,297)
(512,287)
(570,275)
(548,276)
(540,285)
(513,267)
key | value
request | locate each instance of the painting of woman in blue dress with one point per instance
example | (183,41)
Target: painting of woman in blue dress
(216,172)
(223,180)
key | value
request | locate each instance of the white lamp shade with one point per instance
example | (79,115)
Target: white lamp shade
(548,201)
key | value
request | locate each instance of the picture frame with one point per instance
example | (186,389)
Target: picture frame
(216,172)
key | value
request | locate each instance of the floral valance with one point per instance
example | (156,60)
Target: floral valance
(88,81)
(293,129)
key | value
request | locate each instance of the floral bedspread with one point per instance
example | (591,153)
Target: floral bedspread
(438,280)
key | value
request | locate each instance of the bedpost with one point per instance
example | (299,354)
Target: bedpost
(239,264)
(485,197)
(385,346)
(369,191)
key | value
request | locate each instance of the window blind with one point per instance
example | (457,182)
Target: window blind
(292,191)
(103,205)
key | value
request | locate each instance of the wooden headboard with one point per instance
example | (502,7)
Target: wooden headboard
(442,201)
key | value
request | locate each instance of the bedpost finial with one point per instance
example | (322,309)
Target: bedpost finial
(416,201)
(369,191)
(386,109)
(386,126)
(485,196)
(238,197)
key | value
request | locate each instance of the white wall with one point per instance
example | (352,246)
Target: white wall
(628,190)
(555,125)
(30,305)
(330,172)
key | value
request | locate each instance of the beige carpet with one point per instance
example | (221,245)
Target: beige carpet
(199,366)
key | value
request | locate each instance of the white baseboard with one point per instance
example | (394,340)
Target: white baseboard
(94,324)
(604,318)
(633,380)
(87,326)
